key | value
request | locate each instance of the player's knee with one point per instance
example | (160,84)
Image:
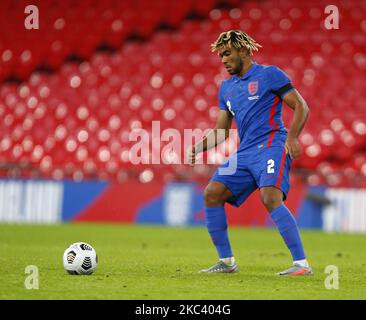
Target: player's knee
(270,201)
(213,196)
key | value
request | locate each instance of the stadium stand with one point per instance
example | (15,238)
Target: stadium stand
(75,121)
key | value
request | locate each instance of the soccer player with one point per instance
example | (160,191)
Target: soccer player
(253,95)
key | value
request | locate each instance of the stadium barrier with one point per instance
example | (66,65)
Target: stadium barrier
(172,204)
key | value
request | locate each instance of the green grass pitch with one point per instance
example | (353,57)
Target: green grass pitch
(146,262)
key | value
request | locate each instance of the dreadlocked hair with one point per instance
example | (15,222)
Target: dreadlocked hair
(237,39)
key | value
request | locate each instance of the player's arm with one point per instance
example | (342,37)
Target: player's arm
(301,111)
(216,136)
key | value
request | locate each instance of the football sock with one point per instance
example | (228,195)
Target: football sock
(303,262)
(230,261)
(217,227)
(287,226)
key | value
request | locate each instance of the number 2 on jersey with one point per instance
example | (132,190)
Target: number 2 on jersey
(229,107)
(270,166)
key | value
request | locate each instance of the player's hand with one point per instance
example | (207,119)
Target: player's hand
(191,156)
(293,147)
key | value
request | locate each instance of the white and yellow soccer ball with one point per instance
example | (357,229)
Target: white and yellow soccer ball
(80,258)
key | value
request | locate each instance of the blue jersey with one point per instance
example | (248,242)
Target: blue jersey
(255,101)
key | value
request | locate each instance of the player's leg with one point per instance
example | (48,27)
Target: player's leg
(287,226)
(274,186)
(234,188)
(215,196)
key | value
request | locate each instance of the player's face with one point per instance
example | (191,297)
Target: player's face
(232,60)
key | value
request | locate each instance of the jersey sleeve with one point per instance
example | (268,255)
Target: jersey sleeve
(279,82)
(222,103)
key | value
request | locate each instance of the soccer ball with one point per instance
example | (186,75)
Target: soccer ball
(80,258)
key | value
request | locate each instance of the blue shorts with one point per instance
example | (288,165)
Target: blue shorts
(255,168)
